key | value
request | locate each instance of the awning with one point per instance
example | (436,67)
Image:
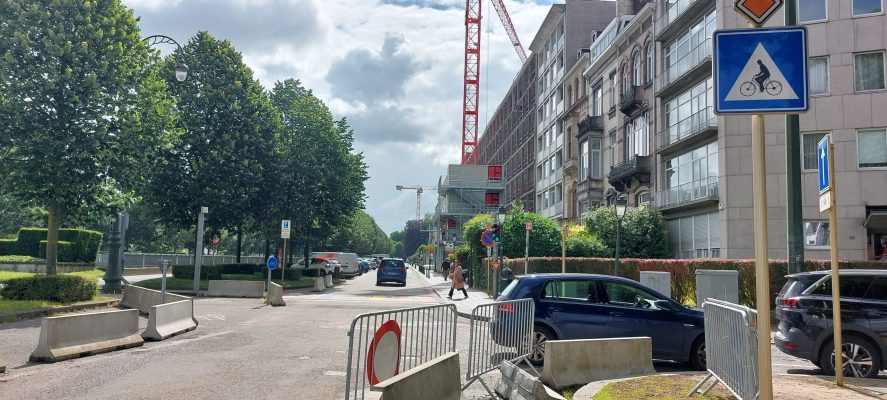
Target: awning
(876,222)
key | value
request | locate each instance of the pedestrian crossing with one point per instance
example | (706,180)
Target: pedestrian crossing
(296,296)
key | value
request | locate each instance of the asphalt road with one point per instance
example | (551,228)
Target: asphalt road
(241,350)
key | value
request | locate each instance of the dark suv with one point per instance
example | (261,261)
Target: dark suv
(804,311)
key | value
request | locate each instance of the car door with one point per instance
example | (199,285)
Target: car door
(633,313)
(575,309)
(876,297)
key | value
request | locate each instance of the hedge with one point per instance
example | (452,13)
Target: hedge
(683,271)
(59,288)
(65,251)
(8,247)
(186,271)
(241,269)
(84,247)
(290,273)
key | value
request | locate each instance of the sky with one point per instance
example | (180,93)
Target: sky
(393,68)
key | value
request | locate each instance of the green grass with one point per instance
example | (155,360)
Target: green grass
(671,387)
(93,273)
(22,259)
(188,284)
(9,308)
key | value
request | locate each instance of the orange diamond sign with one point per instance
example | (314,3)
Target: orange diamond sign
(757,11)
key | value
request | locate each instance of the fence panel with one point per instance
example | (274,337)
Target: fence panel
(499,331)
(731,348)
(425,333)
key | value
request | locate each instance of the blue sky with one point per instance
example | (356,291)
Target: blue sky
(392,67)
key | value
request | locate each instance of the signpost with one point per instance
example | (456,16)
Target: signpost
(164,268)
(271,264)
(487,239)
(285,235)
(825,152)
(758,71)
(198,253)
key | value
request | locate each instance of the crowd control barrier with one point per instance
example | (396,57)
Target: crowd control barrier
(731,349)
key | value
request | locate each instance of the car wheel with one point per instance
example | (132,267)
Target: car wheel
(697,354)
(541,335)
(860,358)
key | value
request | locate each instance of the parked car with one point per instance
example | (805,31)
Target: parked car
(804,312)
(364,266)
(585,306)
(350,264)
(391,270)
(318,266)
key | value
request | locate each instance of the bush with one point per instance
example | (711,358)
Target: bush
(65,251)
(186,271)
(289,274)
(84,243)
(585,245)
(8,247)
(59,288)
(643,232)
(683,271)
(29,241)
(240,269)
(545,238)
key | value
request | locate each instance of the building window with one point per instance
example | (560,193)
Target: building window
(583,161)
(558,194)
(596,159)
(638,137)
(492,199)
(626,77)
(815,234)
(818,75)
(812,11)
(494,172)
(869,70)
(651,66)
(810,141)
(612,89)
(871,148)
(699,166)
(597,101)
(613,148)
(696,236)
(689,112)
(865,7)
(643,198)
(638,69)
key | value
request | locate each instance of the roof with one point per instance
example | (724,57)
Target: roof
(548,24)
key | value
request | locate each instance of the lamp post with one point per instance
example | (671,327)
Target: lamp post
(619,205)
(181,68)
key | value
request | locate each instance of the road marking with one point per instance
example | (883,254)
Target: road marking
(335,373)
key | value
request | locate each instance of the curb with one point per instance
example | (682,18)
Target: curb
(47,312)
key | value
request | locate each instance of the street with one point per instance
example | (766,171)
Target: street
(242,349)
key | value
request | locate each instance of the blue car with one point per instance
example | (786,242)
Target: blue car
(585,306)
(364,266)
(391,270)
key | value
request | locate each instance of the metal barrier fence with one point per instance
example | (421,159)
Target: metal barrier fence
(151,259)
(731,348)
(424,333)
(499,331)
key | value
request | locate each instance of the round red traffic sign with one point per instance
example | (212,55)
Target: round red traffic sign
(383,356)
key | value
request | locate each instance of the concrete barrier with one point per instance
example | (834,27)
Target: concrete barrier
(319,284)
(78,335)
(518,384)
(439,377)
(170,319)
(328,281)
(143,299)
(236,289)
(275,295)
(577,362)
(2,366)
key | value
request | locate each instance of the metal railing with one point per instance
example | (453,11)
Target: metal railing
(702,189)
(700,121)
(672,73)
(671,14)
(424,333)
(731,348)
(151,259)
(635,162)
(501,331)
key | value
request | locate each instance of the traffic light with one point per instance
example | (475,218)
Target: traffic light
(497,233)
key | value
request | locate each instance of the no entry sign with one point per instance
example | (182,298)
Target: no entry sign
(383,356)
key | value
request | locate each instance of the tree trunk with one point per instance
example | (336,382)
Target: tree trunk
(267,247)
(52,238)
(239,242)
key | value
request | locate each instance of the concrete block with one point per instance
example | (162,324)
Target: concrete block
(236,289)
(507,370)
(659,281)
(528,387)
(2,366)
(717,284)
(78,335)
(170,319)
(143,299)
(578,362)
(438,377)
(319,284)
(275,295)
(328,281)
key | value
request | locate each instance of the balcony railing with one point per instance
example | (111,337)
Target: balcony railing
(697,56)
(703,120)
(637,166)
(590,124)
(688,193)
(671,14)
(631,99)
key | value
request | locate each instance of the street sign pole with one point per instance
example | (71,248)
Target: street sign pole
(794,204)
(198,254)
(762,268)
(285,235)
(836,283)
(529,227)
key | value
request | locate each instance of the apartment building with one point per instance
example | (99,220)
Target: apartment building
(564,31)
(510,136)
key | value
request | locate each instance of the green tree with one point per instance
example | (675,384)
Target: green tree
(359,234)
(545,238)
(84,108)
(16,215)
(601,222)
(643,232)
(397,250)
(396,236)
(472,230)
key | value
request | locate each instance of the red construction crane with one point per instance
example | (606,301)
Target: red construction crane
(471,88)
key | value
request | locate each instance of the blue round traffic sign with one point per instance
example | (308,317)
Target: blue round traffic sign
(272,263)
(488,239)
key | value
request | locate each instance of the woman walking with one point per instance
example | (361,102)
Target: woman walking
(457,279)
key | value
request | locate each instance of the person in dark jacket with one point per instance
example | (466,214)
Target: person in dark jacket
(445,266)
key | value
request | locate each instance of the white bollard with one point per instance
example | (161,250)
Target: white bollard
(319,285)
(328,280)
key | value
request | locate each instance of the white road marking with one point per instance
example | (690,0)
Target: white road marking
(335,373)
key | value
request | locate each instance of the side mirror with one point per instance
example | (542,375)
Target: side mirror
(664,305)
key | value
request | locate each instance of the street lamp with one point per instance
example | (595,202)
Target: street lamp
(620,206)
(181,68)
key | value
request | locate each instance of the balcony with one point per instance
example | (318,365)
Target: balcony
(631,100)
(687,132)
(637,167)
(701,191)
(590,124)
(686,69)
(675,18)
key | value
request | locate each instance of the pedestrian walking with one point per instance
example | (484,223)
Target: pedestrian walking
(458,280)
(445,266)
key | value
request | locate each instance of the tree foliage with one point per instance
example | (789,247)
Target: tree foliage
(412,237)
(359,234)
(545,238)
(472,230)
(84,107)
(642,235)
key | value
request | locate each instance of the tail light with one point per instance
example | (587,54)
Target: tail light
(507,307)
(792,302)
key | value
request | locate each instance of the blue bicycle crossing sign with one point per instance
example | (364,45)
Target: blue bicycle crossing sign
(272,263)
(760,70)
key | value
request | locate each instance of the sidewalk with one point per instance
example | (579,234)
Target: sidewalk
(464,307)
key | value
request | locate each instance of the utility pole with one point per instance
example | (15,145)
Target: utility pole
(794,209)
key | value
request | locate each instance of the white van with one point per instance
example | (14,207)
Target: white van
(349,261)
